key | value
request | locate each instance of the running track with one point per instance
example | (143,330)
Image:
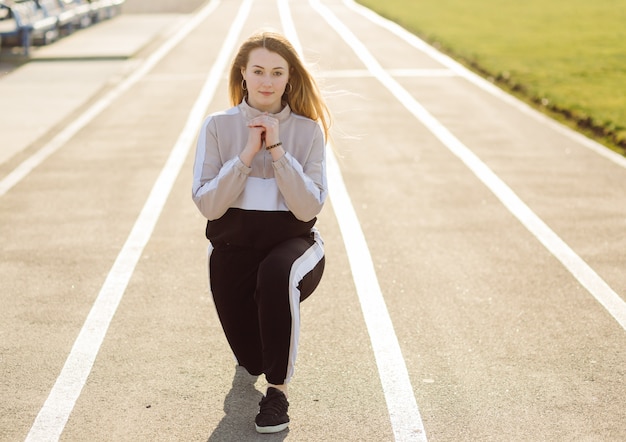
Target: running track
(474,287)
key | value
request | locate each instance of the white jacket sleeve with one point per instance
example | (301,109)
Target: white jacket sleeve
(216,185)
(304,186)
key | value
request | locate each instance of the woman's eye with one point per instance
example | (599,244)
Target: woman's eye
(258,72)
(277,74)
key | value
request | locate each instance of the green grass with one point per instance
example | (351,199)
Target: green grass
(567,57)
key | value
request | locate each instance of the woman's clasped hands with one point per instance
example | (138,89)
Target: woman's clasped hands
(263,128)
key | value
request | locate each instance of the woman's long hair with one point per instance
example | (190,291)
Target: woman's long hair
(303,95)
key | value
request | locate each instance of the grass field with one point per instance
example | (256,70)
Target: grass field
(567,57)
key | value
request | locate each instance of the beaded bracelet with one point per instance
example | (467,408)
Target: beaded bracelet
(274,145)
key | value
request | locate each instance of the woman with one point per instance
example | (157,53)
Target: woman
(260,180)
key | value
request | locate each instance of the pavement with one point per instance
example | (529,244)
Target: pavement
(63,76)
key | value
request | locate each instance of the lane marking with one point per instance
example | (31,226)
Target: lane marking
(411,73)
(483,84)
(421,72)
(406,421)
(59,140)
(585,275)
(53,417)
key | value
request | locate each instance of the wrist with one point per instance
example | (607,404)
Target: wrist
(273,145)
(277,153)
(246,157)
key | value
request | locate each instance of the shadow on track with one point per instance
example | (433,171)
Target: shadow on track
(240,407)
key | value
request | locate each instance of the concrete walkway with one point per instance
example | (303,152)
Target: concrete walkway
(63,76)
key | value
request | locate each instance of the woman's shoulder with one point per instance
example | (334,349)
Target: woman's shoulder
(226,112)
(306,124)
(221,117)
(302,120)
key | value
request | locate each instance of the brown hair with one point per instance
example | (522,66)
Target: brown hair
(303,95)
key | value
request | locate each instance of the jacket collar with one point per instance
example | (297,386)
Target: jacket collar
(251,112)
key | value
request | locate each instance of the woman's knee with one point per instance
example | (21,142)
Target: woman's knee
(311,280)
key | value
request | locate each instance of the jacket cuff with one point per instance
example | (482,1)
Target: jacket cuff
(241,167)
(281,162)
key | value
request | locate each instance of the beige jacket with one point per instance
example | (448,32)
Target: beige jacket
(286,194)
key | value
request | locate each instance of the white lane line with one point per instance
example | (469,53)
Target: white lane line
(27,166)
(585,275)
(406,421)
(411,73)
(483,84)
(53,417)
(421,72)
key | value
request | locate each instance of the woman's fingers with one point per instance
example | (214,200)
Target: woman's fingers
(265,121)
(268,127)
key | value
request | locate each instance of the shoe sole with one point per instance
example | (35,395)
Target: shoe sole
(272,429)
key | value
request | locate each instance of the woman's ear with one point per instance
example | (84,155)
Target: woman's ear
(243,70)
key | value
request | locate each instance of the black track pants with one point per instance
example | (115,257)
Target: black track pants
(257,296)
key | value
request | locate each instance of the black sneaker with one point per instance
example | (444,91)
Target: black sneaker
(272,416)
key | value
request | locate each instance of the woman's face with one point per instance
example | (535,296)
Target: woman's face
(266,75)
